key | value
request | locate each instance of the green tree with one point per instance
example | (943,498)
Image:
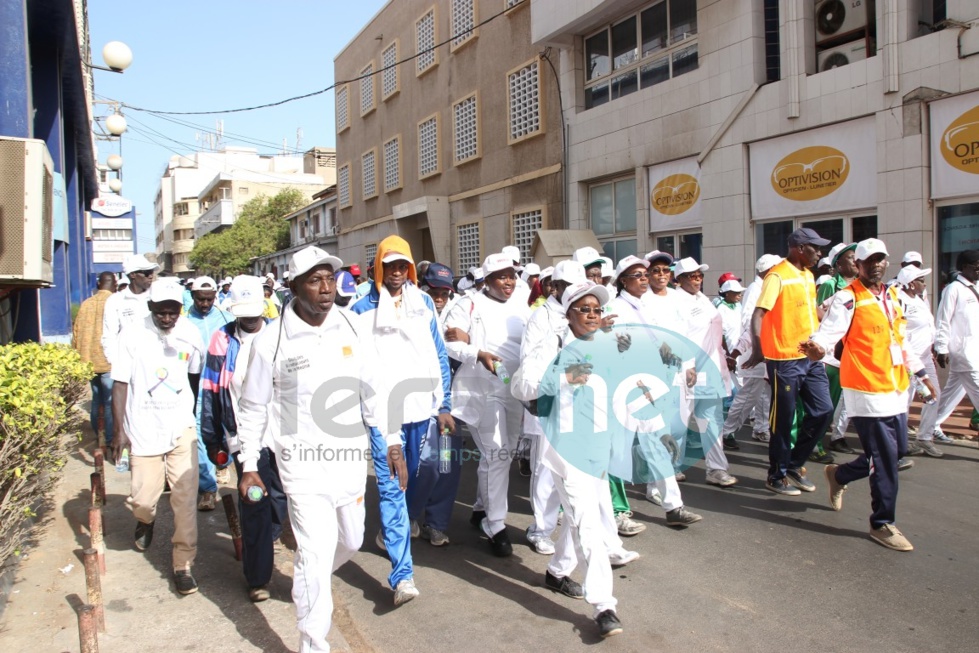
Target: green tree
(259,230)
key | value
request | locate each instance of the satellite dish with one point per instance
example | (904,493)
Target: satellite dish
(830,16)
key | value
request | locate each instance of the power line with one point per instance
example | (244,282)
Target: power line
(323,90)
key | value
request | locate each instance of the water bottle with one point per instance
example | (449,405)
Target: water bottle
(926,396)
(254,493)
(445,451)
(500,371)
(122,465)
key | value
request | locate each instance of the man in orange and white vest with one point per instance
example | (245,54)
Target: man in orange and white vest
(783,321)
(868,318)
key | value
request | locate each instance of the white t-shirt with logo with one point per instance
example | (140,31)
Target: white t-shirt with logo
(160,402)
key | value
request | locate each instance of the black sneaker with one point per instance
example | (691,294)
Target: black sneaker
(144,535)
(477,519)
(564,586)
(781,486)
(821,457)
(797,477)
(500,544)
(904,463)
(731,444)
(524,466)
(185,581)
(840,446)
(608,623)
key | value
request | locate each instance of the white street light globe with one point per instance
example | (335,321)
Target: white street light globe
(117,55)
(114,162)
(116,124)
(115,185)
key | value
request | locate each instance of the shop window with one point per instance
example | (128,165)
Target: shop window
(469,250)
(524,225)
(846,31)
(642,50)
(612,209)
(772,237)
(682,245)
(958,230)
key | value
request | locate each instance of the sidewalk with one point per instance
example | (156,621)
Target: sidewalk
(143,611)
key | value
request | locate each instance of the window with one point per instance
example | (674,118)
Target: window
(526,114)
(958,230)
(243,190)
(180,208)
(370,254)
(524,225)
(343,186)
(367,89)
(425,39)
(392,164)
(682,245)
(465,129)
(773,61)
(772,237)
(642,50)
(368,166)
(428,147)
(470,253)
(845,32)
(463,22)
(389,74)
(612,207)
(343,107)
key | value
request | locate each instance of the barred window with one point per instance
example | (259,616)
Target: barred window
(370,254)
(463,22)
(392,164)
(466,129)
(343,108)
(367,89)
(389,78)
(343,186)
(524,225)
(469,250)
(523,86)
(428,147)
(368,165)
(425,40)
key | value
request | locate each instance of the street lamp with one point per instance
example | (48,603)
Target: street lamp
(115,185)
(116,55)
(116,124)
(114,162)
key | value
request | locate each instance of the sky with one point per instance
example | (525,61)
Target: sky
(213,55)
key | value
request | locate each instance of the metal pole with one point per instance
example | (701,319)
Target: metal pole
(95,532)
(93,583)
(233,523)
(88,639)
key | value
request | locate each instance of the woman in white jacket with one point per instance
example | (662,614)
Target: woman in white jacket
(493,322)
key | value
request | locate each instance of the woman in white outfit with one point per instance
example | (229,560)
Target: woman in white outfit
(493,322)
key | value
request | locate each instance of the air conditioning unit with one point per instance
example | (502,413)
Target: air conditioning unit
(26,212)
(333,231)
(841,55)
(836,18)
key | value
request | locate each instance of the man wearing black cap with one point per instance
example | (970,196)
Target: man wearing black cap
(783,320)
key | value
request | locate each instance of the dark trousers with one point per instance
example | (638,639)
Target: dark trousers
(793,380)
(431,495)
(884,440)
(261,523)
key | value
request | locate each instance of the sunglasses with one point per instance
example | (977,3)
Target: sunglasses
(635,275)
(695,275)
(587,310)
(659,271)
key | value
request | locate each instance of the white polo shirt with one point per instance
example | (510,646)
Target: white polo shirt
(160,402)
(121,309)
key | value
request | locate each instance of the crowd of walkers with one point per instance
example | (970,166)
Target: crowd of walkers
(300,386)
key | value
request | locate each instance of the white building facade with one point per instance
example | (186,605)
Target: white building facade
(713,128)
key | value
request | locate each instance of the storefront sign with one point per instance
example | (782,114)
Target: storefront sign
(111,206)
(112,223)
(674,197)
(830,169)
(955,146)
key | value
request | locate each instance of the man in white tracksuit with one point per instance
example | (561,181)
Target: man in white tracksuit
(755,394)
(956,347)
(321,445)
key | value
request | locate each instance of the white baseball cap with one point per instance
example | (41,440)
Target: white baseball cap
(391,257)
(587,256)
(911,272)
(166,290)
(912,257)
(569,271)
(465,284)
(575,292)
(227,281)
(823,261)
(137,262)
(546,272)
(608,267)
(869,247)
(513,253)
(203,283)
(688,265)
(497,262)
(247,297)
(627,263)
(732,285)
(530,270)
(306,259)
(477,273)
(766,262)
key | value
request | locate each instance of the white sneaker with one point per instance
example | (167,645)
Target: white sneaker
(653,495)
(761,437)
(405,591)
(223,476)
(627,526)
(623,557)
(415,528)
(720,477)
(542,543)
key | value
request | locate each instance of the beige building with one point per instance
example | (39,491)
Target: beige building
(456,147)
(713,128)
(313,224)
(204,192)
